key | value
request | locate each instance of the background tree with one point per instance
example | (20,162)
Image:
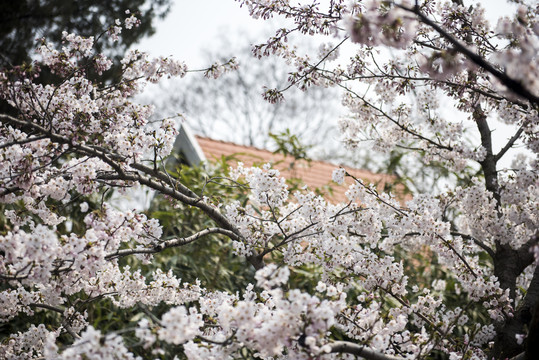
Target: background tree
(23,22)
(231,108)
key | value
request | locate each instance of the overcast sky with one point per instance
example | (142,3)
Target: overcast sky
(193,26)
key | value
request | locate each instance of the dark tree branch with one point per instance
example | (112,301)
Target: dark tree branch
(21,142)
(48,307)
(509,82)
(478,242)
(172,243)
(489,162)
(358,350)
(510,143)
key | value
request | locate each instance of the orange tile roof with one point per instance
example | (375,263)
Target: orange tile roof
(315,174)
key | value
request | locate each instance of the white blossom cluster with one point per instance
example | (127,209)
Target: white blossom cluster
(397,26)
(520,62)
(349,237)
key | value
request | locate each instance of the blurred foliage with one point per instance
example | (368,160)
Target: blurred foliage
(23,21)
(289,144)
(210,258)
(419,176)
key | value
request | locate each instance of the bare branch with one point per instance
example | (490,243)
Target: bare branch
(510,143)
(510,83)
(172,243)
(358,350)
(48,307)
(478,242)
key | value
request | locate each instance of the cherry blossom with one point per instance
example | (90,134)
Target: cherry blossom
(66,144)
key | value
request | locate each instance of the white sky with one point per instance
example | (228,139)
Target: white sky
(193,25)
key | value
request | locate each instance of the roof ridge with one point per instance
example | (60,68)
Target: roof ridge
(317,174)
(364,171)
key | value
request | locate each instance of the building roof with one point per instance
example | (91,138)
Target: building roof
(315,174)
(187,145)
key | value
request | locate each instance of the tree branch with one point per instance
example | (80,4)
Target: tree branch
(478,242)
(510,143)
(358,350)
(510,83)
(488,164)
(172,243)
(46,306)
(505,343)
